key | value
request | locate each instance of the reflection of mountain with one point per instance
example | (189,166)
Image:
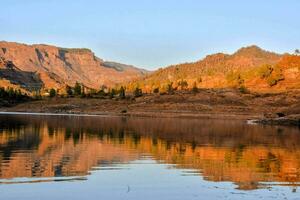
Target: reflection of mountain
(40,152)
(220,150)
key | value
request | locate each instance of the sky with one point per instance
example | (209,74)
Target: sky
(153,33)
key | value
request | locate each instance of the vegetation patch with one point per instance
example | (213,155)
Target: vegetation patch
(10,96)
(271,74)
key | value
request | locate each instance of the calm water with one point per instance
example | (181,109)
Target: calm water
(72,157)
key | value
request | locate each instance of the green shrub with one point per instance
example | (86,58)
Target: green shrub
(156,90)
(77,89)
(69,90)
(138,92)
(101,93)
(112,93)
(52,92)
(195,88)
(82,94)
(122,92)
(183,84)
(170,88)
(243,89)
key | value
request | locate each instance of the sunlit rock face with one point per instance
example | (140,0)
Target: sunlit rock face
(218,150)
(60,66)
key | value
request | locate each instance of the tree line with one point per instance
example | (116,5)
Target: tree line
(79,90)
(10,96)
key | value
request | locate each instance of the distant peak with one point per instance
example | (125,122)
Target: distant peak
(253,51)
(253,47)
(249,49)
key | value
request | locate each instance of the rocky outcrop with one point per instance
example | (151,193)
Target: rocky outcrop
(29,81)
(57,66)
(293,120)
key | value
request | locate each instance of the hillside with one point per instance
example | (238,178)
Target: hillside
(249,68)
(34,67)
(57,67)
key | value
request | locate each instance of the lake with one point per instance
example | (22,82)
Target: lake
(94,157)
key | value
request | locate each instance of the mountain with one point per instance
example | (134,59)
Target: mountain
(250,68)
(56,67)
(34,67)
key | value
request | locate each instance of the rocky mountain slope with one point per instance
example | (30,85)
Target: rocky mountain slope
(13,77)
(57,66)
(250,67)
(45,66)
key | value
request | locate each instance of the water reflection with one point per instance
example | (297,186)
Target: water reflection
(251,156)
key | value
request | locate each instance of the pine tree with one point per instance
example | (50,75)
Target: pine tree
(77,89)
(195,88)
(52,92)
(138,92)
(69,90)
(122,92)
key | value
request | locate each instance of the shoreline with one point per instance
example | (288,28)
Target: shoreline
(255,120)
(275,109)
(137,114)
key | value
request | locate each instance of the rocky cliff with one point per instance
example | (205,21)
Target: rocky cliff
(12,76)
(57,66)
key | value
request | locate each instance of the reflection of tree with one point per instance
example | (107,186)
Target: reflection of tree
(221,150)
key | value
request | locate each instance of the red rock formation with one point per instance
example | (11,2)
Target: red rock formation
(60,66)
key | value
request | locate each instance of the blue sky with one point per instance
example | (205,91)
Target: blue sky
(155,33)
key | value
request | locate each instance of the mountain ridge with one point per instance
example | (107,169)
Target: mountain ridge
(57,66)
(243,68)
(249,67)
